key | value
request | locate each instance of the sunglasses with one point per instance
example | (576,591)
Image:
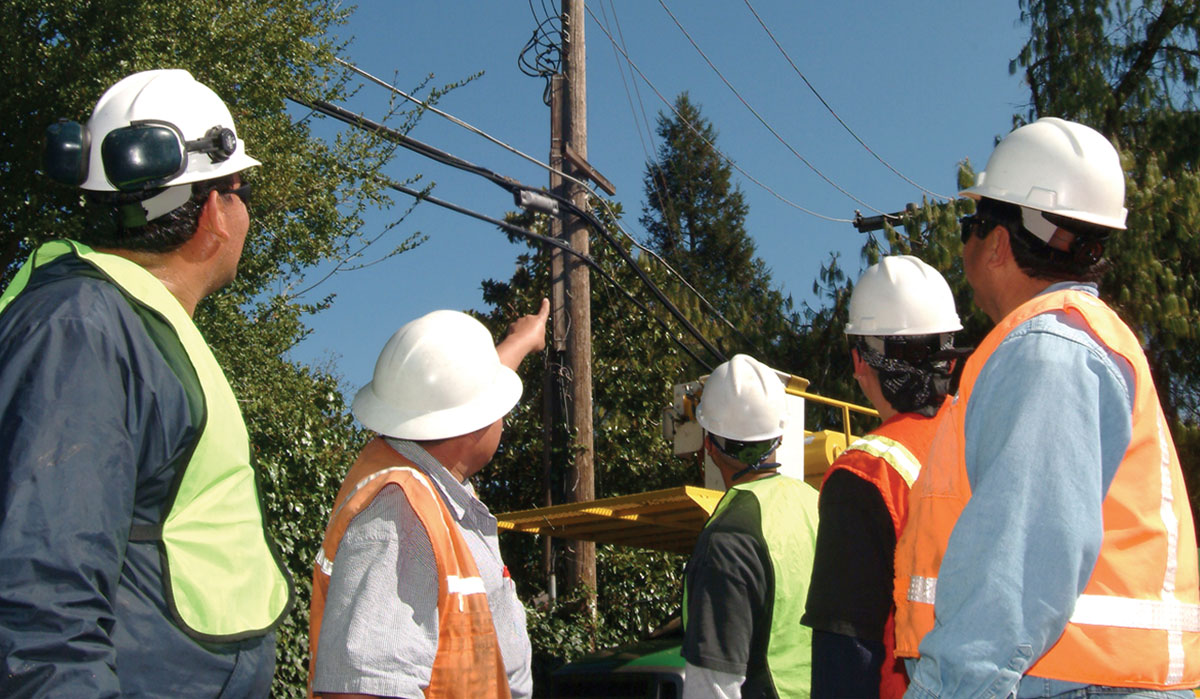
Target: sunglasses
(969,224)
(242,192)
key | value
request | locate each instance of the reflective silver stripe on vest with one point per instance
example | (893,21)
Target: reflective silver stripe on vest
(896,454)
(1156,615)
(325,564)
(463,587)
(1175,663)
(1102,610)
(922,589)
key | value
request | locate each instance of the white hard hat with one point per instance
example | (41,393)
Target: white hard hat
(437,377)
(901,295)
(743,399)
(1059,167)
(155,115)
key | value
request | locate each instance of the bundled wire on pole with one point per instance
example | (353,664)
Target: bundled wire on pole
(541,56)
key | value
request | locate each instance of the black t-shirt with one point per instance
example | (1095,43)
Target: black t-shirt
(731,585)
(851,590)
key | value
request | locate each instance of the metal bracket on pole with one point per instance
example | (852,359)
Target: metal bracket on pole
(866,224)
(533,199)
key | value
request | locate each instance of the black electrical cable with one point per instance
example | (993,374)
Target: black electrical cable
(512,185)
(349,117)
(705,302)
(600,228)
(586,259)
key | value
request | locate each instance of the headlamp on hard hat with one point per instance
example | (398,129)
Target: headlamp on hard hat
(145,155)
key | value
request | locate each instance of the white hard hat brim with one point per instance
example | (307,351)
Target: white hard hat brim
(489,406)
(983,192)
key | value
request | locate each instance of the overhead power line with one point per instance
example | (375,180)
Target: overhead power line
(692,127)
(547,240)
(513,186)
(830,108)
(604,202)
(758,116)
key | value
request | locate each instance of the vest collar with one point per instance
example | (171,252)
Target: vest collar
(459,497)
(1085,287)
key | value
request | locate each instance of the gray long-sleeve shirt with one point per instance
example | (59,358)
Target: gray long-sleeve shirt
(379,631)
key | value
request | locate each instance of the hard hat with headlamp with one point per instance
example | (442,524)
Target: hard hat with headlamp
(154,129)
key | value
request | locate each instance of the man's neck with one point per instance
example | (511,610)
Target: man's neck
(452,455)
(168,269)
(1015,291)
(747,477)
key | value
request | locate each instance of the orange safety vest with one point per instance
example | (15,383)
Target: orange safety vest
(468,664)
(890,458)
(1137,623)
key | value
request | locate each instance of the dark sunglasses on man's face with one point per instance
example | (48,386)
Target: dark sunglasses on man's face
(968,225)
(242,192)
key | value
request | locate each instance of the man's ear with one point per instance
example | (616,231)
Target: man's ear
(213,219)
(859,364)
(999,246)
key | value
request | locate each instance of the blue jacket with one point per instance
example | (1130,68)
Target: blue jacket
(94,426)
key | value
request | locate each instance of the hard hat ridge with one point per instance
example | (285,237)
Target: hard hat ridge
(743,400)
(1058,167)
(902,295)
(437,377)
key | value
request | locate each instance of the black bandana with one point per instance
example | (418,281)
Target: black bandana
(911,388)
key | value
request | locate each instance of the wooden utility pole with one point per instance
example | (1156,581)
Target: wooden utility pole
(580,486)
(552,408)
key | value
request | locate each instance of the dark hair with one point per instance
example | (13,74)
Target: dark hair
(164,234)
(1084,261)
(912,377)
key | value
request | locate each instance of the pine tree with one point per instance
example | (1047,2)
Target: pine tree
(695,216)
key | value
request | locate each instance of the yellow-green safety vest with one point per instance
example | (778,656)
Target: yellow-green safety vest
(789,533)
(222,577)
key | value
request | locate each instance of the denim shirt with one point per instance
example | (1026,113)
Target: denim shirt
(1048,422)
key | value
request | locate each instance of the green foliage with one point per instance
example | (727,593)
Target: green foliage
(639,589)
(303,440)
(58,56)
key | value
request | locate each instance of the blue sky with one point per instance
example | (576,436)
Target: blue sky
(924,84)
